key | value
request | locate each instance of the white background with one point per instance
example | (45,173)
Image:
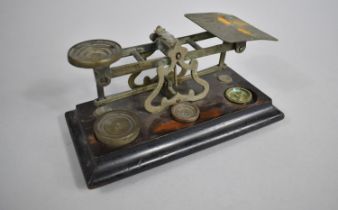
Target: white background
(292,164)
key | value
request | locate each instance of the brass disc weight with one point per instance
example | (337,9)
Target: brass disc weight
(185,112)
(117,128)
(238,95)
(94,53)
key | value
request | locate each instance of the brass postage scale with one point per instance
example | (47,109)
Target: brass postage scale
(181,110)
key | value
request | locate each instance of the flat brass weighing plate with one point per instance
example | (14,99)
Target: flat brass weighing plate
(228,28)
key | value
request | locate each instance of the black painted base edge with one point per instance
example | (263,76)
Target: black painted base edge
(122,163)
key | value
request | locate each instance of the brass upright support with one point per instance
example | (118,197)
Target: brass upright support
(101,81)
(221,59)
(221,62)
(99,88)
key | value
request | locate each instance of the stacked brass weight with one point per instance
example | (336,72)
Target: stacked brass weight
(117,128)
(185,112)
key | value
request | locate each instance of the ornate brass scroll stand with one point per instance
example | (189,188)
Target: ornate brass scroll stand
(168,78)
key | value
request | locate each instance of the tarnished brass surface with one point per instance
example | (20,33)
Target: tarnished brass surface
(185,112)
(168,76)
(133,92)
(238,95)
(165,102)
(229,28)
(100,54)
(117,128)
(94,53)
(153,63)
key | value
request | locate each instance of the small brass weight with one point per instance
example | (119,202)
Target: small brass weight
(181,109)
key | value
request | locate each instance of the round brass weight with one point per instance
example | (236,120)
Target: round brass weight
(117,128)
(238,95)
(185,112)
(94,53)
